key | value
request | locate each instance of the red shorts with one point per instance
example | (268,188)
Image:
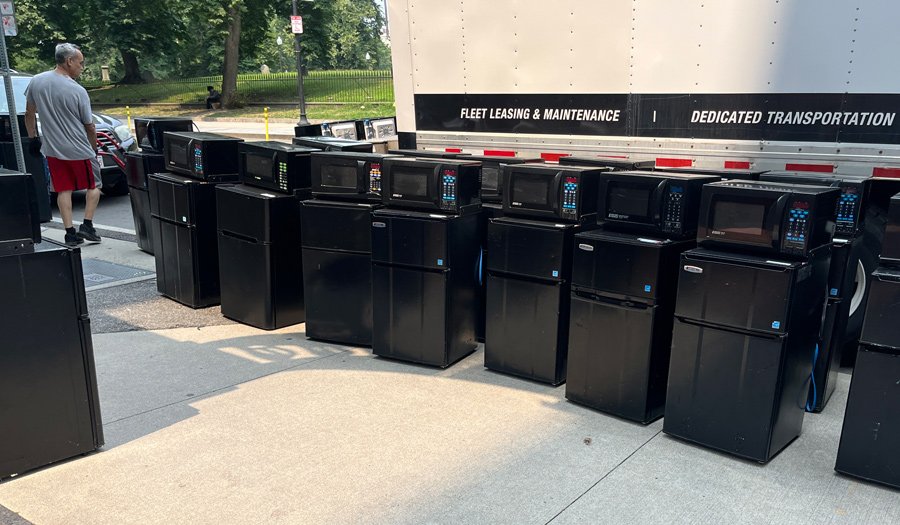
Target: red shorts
(71,175)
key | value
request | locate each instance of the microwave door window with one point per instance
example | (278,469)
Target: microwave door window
(490,178)
(335,176)
(178,154)
(531,192)
(629,201)
(259,167)
(740,219)
(410,184)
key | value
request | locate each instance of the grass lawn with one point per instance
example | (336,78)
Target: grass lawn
(319,86)
(315,112)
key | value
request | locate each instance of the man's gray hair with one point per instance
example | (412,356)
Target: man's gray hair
(65,51)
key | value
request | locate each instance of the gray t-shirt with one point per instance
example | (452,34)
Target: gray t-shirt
(64,109)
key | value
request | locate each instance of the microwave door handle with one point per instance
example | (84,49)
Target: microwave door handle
(773,221)
(658,197)
(362,183)
(440,182)
(554,190)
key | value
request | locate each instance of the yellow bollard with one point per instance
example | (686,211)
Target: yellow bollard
(128,114)
(266,114)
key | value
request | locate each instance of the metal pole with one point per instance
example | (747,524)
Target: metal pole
(303,120)
(11,103)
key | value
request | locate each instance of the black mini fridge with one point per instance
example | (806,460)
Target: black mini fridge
(259,256)
(138,166)
(527,310)
(50,409)
(620,326)
(183,220)
(337,270)
(746,329)
(870,439)
(424,285)
(488,211)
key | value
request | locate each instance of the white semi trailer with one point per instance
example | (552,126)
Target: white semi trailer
(809,85)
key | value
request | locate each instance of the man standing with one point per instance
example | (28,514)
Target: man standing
(69,137)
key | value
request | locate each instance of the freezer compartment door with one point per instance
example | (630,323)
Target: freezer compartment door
(182,200)
(881,326)
(725,292)
(337,225)
(527,326)
(642,268)
(338,294)
(870,438)
(529,248)
(412,240)
(725,392)
(618,358)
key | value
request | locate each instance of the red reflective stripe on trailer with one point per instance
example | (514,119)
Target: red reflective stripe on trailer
(499,153)
(673,163)
(891,173)
(453,150)
(553,157)
(817,168)
(737,165)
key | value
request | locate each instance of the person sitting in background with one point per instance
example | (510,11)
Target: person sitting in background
(214,97)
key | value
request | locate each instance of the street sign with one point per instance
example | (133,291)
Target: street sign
(9,25)
(297,25)
(7,8)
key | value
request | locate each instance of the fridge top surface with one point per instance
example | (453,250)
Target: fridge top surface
(630,238)
(515,221)
(252,191)
(179,179)
(743,258)
(324,203)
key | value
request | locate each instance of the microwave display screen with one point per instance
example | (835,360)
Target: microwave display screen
(490,178)
(259,166)
(530,191)
(739,217)
(410,183)
(178,154)
(633,201)
(338,176)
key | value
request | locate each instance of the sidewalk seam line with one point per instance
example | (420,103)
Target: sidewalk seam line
(222,388)
(604,476)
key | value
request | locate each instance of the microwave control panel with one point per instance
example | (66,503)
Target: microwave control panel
(283,176)
(448,190)
(198,159)
(797,229)
(673,209)
(570,197)
(848,211)
(375,177)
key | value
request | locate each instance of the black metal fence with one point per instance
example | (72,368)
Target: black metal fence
(332,87)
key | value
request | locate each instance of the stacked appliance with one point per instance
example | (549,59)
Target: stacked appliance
(749,307)
(259,235)
(491,192)
(334,143)
(530,247)
(183,214)
(870,437)
(724,174)
(337,245)
(425,254)
(48,382)
(376,128)
(34,164)
(139,165)
(623,292)
(615,164)
(842,323)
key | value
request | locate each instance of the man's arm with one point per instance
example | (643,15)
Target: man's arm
(31,118)
(91,131)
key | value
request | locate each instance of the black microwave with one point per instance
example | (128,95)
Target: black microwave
(491,183)
(206,156)
(644,201)
(333,144)
(850,207)
(768,217)
(558,193)
(348,175)
(890,251)
(148,131)
(275,165)
(446,185)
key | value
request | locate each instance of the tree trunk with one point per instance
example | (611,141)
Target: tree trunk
(132,69)
(232,45)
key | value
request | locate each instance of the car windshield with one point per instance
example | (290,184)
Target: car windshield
(19,85)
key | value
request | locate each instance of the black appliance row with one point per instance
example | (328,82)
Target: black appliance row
(48,380)
(870,436)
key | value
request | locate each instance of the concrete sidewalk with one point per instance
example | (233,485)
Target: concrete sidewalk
(230,424)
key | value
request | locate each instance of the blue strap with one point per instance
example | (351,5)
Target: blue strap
(811,404)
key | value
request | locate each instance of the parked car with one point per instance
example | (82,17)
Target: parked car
(113,177)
